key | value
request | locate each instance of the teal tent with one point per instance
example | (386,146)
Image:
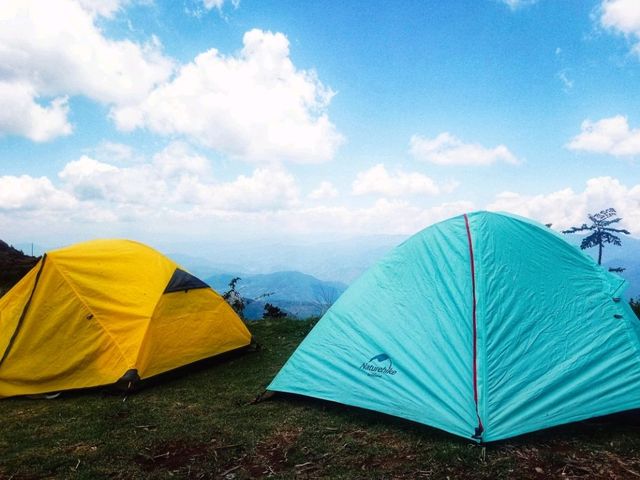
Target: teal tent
(485,325)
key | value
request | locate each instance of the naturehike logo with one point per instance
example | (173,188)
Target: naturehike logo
(378,366)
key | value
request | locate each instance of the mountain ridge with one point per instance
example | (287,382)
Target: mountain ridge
(301,295)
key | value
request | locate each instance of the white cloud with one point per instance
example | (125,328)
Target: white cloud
(256,105)
(446,149)
(201,7)
(170,179)
(383,216)
(115,152)
(565,208)
(29,193)
(103,8)
(161,198)
(177,159)
(211,4)
(92,180)
(55,49)
(515,4)
(566,81)
(378,180)
(177,187)
(22,115)
(176,179)
(609,135)
(266,189)
(622,16)
(324,191)
(78,171)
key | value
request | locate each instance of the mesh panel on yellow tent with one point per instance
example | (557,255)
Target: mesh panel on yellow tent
(98,309)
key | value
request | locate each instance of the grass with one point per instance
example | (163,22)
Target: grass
(202,424)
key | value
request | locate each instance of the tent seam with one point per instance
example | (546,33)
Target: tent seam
(24,311)
(482,337)
(480,427)
(482,353)
(96,317)
(148,326)
(146,332)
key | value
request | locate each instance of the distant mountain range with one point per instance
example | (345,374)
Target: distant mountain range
(329,267)
(298,294)
(339,260)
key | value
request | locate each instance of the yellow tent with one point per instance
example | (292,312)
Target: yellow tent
(108,310)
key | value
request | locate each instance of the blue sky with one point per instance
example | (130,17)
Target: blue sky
(198,119)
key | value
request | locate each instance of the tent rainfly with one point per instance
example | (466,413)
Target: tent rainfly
(105,311)
(485,325)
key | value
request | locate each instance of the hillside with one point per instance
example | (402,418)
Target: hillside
(301,295)
(13,266)
(202,424)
